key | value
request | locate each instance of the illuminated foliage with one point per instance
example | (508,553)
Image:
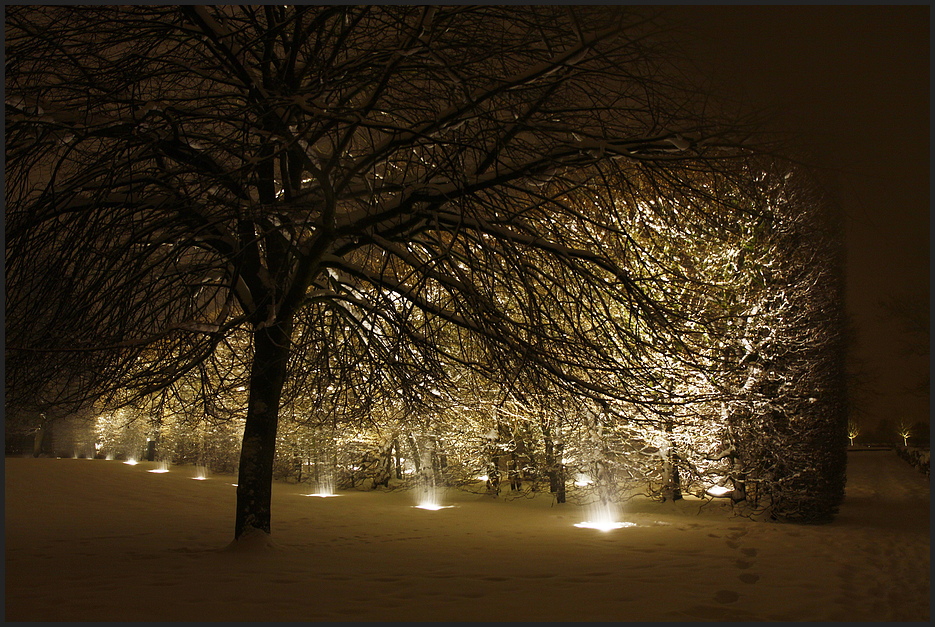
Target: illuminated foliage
(374,233)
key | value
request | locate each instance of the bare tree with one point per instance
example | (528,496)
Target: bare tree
(364,190)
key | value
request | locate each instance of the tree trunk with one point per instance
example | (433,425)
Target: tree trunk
(559,473)
(516,484)
(383,470)
(37,442)
(493,476)
(672,486)
(676,492)
(271,346)
(416,453)
(550,461)
(397,458)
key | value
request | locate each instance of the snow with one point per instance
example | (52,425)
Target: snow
(96,540)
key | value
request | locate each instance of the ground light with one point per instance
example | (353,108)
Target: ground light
(163,467)
(432,506)
(428,496)
(604,518)
(603,526)
(325,488)
(131,462)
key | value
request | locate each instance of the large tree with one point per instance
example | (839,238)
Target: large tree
(374,193)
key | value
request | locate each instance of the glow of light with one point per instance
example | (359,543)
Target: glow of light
(718,490)
(604,518)
(325,485)
(604,525)
(163,467)
(201,473)
(131,462)
(432,506)
(483,478)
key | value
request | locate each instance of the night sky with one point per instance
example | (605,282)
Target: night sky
(851,83)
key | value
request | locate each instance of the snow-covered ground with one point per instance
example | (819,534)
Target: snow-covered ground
(94,540)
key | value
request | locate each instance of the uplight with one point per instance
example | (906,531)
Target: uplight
(432,506)
(604,526)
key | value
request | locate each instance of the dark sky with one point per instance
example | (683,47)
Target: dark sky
(852,84)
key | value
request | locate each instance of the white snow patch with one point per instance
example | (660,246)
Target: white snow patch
(253,541)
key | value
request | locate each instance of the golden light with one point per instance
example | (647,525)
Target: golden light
(718,490)
(604,525)
(161,468)
(432,506)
